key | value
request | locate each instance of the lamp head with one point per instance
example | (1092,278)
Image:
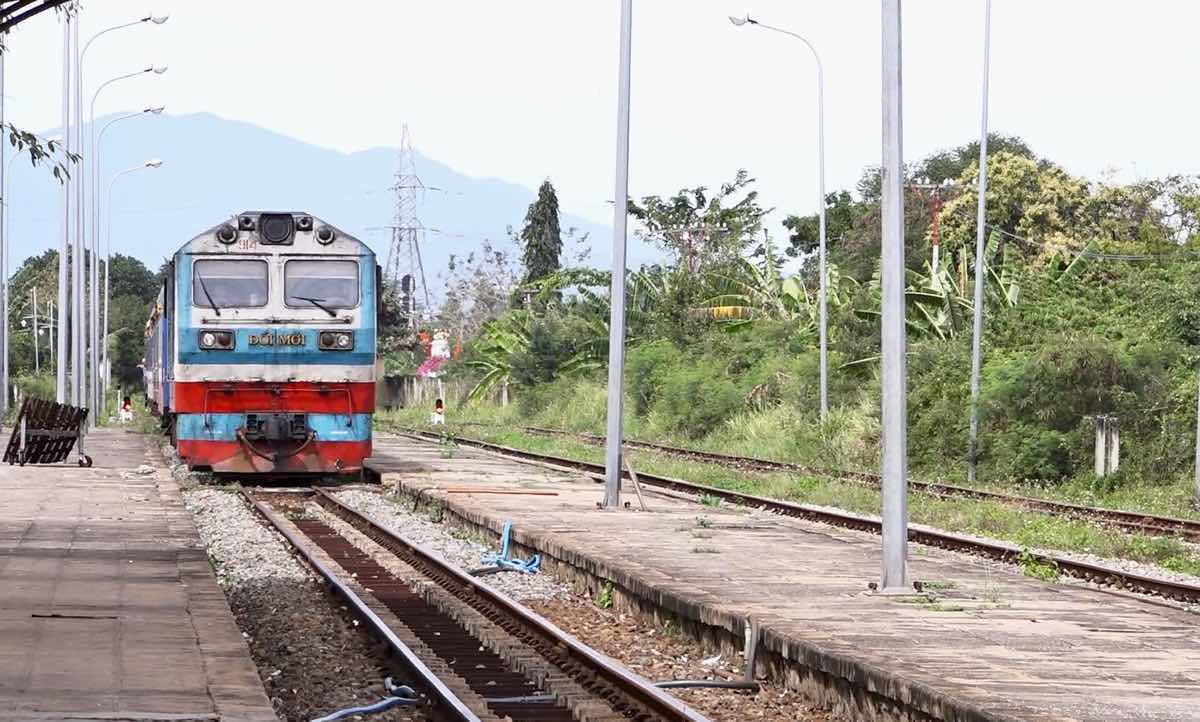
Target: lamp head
(158,69)
(742,20)
(159,19)
(156,111)
(154,163)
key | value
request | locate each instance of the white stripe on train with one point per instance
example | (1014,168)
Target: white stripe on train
(328,373)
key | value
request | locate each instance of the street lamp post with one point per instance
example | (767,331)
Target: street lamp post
(92,318)
(152,163)
(60,374)
(81,317)
(822,303)
(5,243)
(97,167)
(616,321)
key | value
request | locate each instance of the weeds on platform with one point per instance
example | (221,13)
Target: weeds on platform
(1032,566)
(604,598)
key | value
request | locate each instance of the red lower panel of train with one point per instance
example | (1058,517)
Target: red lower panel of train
(263,457)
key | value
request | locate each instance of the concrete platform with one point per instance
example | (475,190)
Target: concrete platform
(995,646)
(108,606)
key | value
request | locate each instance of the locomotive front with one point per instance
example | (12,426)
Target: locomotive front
(274,361)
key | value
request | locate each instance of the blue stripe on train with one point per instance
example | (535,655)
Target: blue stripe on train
(276,355)
(223,427)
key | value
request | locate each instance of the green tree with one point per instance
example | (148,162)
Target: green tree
(949,165)
(700,229)
(842,215)
(541,238)
(130,277)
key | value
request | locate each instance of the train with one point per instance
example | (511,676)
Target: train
(261,348)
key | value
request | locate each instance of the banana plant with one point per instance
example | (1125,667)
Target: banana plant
(501,339)
(938,303)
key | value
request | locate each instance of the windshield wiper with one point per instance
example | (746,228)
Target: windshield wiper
(317,302)
(204,287)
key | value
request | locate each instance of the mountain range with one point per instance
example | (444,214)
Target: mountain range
(214,167)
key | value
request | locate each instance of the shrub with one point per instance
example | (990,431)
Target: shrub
(647,367)
(696,399)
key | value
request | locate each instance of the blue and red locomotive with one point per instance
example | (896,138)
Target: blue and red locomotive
(260,352)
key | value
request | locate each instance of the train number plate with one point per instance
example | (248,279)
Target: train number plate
(277,339)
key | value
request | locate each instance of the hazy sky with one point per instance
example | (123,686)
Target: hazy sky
(525,90)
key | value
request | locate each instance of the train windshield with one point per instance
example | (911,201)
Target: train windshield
(229,283)
(322,283)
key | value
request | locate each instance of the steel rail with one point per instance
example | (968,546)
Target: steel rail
(481,596)
(1000,551)
(1133,521)
(427,679)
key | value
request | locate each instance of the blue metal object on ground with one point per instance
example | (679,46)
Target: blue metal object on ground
(401,695)
(503,561)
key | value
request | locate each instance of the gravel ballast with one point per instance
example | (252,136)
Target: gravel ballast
(312,657)
(463,553)
(650,650)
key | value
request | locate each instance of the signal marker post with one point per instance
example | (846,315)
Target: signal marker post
(894,370)
(616,323)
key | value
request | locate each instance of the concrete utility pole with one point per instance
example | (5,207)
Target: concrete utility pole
(616,322)
(980,245)
(60,372)
(894,368)
(823,325)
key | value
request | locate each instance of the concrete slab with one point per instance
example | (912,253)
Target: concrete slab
(108,607)
(996,645)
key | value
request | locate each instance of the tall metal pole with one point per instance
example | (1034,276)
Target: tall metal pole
(79,306)
(50,331)
(894,369)
(824,314)
(97,168)
(37,355)
(60,369)
(616,323)
(1196,499)
(4,243)
(980,243)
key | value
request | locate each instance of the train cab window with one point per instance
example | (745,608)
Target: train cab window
(229,283)
(324,283)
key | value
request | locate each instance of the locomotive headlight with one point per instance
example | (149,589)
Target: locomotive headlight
(336,340)
(211,340)
(276,228)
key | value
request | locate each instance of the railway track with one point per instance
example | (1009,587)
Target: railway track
(469,651)
(1130,521)
(999,551)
